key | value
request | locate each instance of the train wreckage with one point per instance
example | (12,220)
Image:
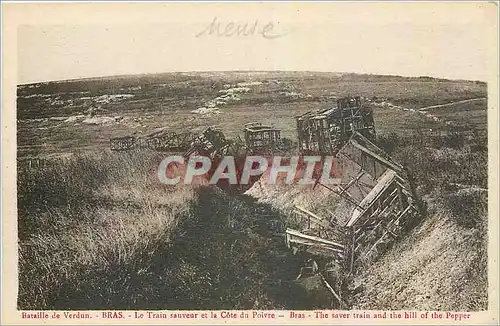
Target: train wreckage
(377,200)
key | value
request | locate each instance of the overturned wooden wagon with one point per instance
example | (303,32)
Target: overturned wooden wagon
(377,199)
(212,142)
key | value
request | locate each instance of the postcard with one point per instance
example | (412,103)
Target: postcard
(250,163)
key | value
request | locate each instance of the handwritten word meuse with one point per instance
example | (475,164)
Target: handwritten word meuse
(229,29)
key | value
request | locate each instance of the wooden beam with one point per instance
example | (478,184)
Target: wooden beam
(316,218)
(332,291)
(294,233)
(352,252)
(351,182)
(308,243)
(346,196)
(376,156)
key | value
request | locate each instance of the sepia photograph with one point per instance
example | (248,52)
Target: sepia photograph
(252,161)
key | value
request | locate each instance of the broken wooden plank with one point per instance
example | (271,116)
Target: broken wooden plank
(375,244)
(345,195)
(314,244)
(351,182)
(316,218)
(332,291)
(293,233)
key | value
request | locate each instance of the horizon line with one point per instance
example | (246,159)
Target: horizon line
(89,78)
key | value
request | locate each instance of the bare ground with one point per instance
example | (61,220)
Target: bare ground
(439,266)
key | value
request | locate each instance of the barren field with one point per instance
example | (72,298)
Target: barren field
(96,230)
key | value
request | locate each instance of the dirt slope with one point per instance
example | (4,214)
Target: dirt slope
(440,265)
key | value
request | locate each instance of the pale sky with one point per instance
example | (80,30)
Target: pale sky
(443,40)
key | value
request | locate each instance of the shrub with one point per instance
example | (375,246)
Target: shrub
(468,207)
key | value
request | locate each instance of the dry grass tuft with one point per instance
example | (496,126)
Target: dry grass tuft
(88,221)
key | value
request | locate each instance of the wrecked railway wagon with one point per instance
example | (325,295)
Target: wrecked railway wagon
(159,141)
(212,142)
(376,202)
(261,138)
(327,130)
